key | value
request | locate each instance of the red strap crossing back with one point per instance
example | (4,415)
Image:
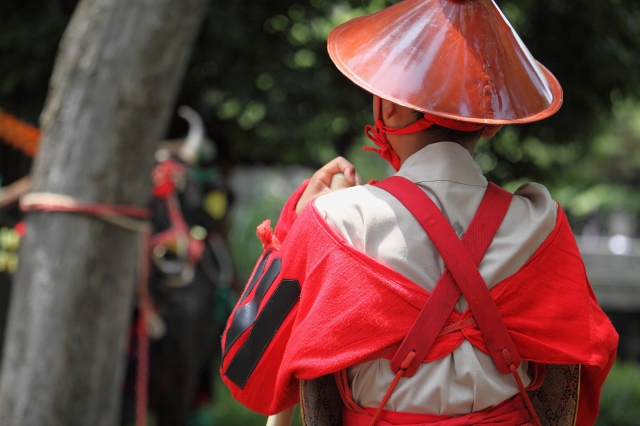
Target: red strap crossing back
(460,276)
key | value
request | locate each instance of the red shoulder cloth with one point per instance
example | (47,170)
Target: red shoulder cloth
(317,306)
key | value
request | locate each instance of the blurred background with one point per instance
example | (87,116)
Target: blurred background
(274,108)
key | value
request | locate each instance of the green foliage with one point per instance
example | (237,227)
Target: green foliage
(586,153)
(226,411)
(261,76)
(591,47)
(607,176)
(596,174)
(261,195)
(276,97)
(268,88)
(620,399)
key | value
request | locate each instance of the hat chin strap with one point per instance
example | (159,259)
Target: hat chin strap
(376,135)
(378,132)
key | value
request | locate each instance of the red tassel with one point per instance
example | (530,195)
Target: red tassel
(265,234)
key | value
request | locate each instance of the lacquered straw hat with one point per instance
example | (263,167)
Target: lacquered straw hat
(458,59)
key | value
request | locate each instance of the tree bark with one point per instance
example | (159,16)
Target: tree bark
(114,83)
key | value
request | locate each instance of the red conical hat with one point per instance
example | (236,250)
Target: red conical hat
(458,59)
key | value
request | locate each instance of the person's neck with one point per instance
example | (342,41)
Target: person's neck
(407,145)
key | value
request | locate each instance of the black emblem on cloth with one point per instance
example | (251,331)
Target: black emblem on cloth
(265,327)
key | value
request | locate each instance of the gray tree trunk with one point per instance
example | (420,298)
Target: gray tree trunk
(114,83)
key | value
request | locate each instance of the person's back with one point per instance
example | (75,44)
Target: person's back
(347,284)
(376,223)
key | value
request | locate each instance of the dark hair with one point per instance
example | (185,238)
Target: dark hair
(450,135)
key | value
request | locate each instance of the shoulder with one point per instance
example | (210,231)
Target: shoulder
(353,211)
(349,198)
(530,219)
(534,200)
(534,193)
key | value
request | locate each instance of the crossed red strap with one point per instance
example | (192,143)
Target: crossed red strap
(461,276)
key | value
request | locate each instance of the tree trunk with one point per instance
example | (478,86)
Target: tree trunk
(115,80)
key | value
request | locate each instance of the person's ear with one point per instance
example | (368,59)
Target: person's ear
(490,130)
(387,111)
(392,114)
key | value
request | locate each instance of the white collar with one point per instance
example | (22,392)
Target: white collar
(443,161)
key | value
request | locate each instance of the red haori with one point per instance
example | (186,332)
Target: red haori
(353,309)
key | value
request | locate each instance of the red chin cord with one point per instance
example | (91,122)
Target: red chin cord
(376,136)
(378,132)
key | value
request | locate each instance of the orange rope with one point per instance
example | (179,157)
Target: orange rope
(19,134)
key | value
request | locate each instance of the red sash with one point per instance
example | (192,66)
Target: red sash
(511,412)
